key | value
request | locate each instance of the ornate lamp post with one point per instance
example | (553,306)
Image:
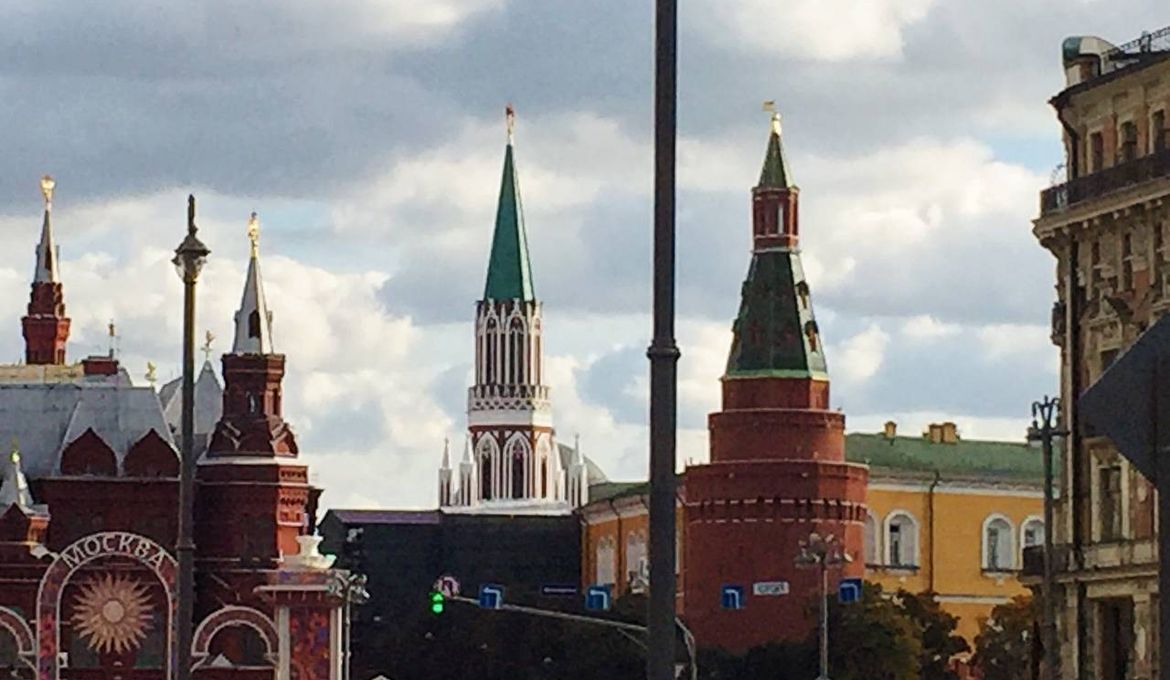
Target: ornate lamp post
(350,587)
(189,259)
(823,553)
(1044,429)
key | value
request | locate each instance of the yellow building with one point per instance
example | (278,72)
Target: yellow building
(945,514)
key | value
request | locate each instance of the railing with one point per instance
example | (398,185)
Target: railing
(1143,169)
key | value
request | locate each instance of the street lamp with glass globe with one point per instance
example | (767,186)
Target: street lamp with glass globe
(1045,430)
(189,259)
(823,553)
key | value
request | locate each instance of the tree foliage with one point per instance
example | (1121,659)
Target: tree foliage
(939,642)
(1004,646)
(874,639)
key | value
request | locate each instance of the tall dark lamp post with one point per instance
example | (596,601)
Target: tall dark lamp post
(1044,430)
(663,352)
(823,553)
(189,259)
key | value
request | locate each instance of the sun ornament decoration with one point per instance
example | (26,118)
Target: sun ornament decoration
(112,613)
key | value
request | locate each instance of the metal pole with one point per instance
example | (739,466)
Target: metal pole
(185,548)
(824,620)
(663,352)
(1162,481)
(1051,655)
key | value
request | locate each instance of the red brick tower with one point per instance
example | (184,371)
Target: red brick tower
(253,493)
(777,470)
(46,328)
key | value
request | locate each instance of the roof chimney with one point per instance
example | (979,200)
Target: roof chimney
(942,433)
(890,429)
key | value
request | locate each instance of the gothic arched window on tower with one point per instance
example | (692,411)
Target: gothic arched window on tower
(810,331)
(253,403)
(516,352)
(485,477)
(254,324)
(517,472)
(489,360)
(544,478)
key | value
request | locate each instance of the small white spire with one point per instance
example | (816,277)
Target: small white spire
(467,459)
(578,457)
(13,485)
(253,321)
(446,454)
(46,271)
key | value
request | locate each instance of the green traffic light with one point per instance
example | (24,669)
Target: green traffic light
(437,601)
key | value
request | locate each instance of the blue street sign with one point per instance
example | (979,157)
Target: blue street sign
(558,590)
(849,590)
(597,598)
(491,596)
(731,597)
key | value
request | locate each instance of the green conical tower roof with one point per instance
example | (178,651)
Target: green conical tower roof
(509,275)
(775,173)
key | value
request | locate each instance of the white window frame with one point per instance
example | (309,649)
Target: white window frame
(606,551)
(1009,554)
(913,525)
(878,555)
(1028,521)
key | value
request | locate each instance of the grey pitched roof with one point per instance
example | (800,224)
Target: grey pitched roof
(208,403)
(593,471)
(46,417)
(387,516)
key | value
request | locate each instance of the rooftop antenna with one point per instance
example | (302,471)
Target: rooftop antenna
(113,332)
(510,120)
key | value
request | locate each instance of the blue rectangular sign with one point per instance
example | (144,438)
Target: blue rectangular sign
(558,590)
(731,597)
(849,590)
(491,596)
(597,598)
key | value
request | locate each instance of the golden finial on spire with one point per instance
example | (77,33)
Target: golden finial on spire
(208,338)
(254,233)
(15,455)
(510,120)
(770,107)
(150,373)
(47,185)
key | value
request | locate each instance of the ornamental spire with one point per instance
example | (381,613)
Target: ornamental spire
(509,275)
(446,465)
(775,173)
(46,271)
(253,320)
(13,485)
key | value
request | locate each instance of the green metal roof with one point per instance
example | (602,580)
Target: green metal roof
(975,460)
(775,334)
(614,490)
(509,275)
(775,173)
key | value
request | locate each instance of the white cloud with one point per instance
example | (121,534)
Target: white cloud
(827,30)
(858,358)
(925,328)
(1000,340)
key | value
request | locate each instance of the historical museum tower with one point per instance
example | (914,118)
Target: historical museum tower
(777,472)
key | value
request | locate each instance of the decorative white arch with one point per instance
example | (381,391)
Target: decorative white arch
(518,444)
(1035,523)
(488,449)
(1004,539)
(905,543)
(22,633)
(227,617)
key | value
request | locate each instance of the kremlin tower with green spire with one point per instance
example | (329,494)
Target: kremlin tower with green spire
(777,471)
(512,462)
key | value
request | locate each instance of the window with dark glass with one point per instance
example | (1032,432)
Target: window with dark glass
(1096,152)
(1129,142)
(1109,501)
(1158,131)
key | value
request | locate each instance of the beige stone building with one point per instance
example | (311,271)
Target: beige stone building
(1106,225)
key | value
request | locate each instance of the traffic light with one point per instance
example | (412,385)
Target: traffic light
(437,602)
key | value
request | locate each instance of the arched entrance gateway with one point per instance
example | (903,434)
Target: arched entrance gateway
(105,609)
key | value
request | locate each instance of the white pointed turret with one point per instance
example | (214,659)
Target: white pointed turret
(445,494)
(46,271)
(253,321)
(577,477)
(13,485)
(467,489)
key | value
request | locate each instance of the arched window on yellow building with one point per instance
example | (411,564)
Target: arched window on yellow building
(872,549)
(901,539)
(998,544)
(1031,534)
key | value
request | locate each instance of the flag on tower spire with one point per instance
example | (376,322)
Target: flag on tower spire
(509,275)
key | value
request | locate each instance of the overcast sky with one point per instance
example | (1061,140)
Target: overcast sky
(368,134)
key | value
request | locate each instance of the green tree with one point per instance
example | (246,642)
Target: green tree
(939,641)
(873,639)
(1004,646)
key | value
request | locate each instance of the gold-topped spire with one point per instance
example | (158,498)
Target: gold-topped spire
(254,233)
(14,456)
(510,120)
(770,107)
(150,373)
(208,338)
(47,184)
